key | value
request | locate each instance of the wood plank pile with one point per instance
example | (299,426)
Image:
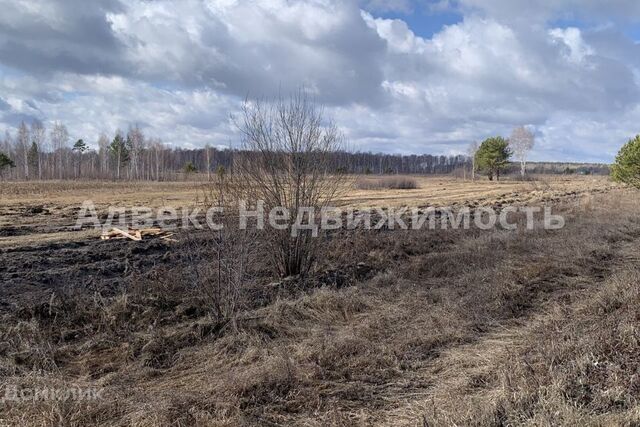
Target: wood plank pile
(136,234)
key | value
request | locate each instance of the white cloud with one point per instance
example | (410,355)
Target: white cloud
(396,33)
(572,38)
(181,70)
(257,47)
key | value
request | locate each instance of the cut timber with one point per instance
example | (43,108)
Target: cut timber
(116,233)
(168,237)
(151,231)
(136,235)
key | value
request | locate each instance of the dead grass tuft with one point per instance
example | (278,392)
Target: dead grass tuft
(387,183)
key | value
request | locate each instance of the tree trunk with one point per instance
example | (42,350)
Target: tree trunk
(208,152)
(473,169)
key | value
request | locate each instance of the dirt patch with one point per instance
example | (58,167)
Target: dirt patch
(30,272)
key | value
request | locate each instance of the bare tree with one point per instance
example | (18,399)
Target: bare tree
(157,147)
(135,146)
(289,165)
(59,139)
(22,140)
(471,151)
(103,154)
(521,142)
(207,152)
(38,137)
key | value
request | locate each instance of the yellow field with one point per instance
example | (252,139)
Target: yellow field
(443,191)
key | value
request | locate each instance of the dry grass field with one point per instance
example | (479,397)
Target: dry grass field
(393,328)
(47,211)
(447,191)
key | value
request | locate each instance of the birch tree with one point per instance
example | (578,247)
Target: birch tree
(38,138)
(22,140)
(207,152)
(521,142)
(471,151)
(103,154)
(59,140)
(135,146)
(158,149)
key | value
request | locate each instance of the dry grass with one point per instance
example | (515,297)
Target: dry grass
(387,183)
(145,193)
(396,328)
(447,191)
(60,200)
(428,189)
(576,364)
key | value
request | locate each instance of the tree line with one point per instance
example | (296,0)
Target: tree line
(37,153)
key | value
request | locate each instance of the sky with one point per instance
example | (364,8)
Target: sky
(396,76)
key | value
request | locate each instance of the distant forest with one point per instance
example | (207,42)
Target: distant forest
(131,156)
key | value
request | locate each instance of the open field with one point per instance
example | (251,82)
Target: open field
(47,211)
(447,327)
(445,191)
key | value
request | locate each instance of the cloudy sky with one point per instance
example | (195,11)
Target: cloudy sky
(397,76)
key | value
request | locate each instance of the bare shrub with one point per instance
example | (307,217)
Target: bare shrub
(224,257)
(387,183)
(289,164)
